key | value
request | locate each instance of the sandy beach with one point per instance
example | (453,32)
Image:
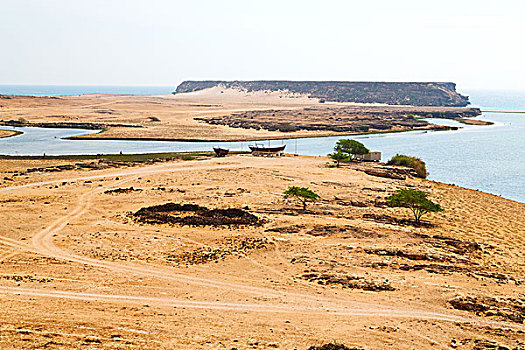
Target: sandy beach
(79,271)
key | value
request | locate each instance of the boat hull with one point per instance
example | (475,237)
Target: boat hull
(220,152)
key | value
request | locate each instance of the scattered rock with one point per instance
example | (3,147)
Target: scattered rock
(231,246)
(334,346)
(385,173)
(387,219)
(287,229)
(347,281)
(510,309)
(350,231)
(122,190)
(26,278)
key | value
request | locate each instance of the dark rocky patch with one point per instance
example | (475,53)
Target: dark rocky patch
(122,190)
(385,173)
(231,246)
(195,215)
(287,229)
(454,245)
(408,255)
(354,119)
(347,281)
(95,165)
(25,278)
(387,219)
(347,230)
(510,309)
(334,346)
(446,269)
(482,344)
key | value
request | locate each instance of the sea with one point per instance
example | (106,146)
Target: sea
(486,158)
(72,90)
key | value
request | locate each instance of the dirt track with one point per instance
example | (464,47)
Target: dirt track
(220,289)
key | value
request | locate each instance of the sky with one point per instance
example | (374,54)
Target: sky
(477,44)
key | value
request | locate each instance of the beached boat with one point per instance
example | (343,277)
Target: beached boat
(221,152)
(268,151)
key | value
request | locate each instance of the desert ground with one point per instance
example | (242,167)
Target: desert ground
(210,114)
(7,133)
(78,270)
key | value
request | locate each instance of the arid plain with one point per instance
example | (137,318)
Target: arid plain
(78,270)
(214,114)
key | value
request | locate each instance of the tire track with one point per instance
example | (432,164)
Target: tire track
(42,243)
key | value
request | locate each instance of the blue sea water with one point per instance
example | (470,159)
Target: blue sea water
(497,99)
(487,158)
(70,90)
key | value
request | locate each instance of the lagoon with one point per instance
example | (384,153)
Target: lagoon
(488,158)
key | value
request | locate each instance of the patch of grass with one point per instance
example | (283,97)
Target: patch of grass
(410,162)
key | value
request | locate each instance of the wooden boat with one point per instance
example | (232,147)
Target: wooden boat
(257,150)
(221,152)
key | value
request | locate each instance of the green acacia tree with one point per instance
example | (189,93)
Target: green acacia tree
(415,200)
(351,148)
(338,156)
(302,194)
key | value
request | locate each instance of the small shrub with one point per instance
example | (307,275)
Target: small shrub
(414,200)
(302,194)
(410,162)
(187,157)
(339,156)
(286,127)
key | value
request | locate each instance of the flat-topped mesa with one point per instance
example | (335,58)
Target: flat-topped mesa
(392,93)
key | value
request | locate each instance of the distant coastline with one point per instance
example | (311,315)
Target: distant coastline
(503,111)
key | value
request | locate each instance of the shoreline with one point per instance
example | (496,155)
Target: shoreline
(283,137)
(192,155)
(503,111)
(468,121)
(286,136)
(180,117)
(11,133)
(116,156)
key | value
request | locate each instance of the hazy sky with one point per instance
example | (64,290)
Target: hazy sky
(477,44)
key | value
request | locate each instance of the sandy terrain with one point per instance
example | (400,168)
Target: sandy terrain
(7,133)
(171,117)
(78,271)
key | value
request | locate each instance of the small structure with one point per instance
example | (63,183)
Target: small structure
(370,157)
(267,151)
(221,152)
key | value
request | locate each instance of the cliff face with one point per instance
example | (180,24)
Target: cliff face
(415,94)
